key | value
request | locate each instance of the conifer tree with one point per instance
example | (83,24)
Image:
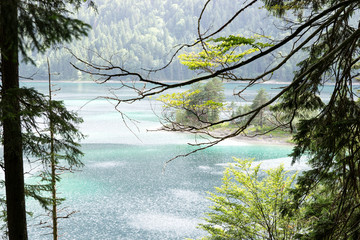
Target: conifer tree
(61,136)
(260,99)
(25,25)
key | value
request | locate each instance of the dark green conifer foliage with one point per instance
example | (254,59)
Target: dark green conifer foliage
(59,149)
(26,25)
(56,158)
(260,99)
(331,138)
(202,104)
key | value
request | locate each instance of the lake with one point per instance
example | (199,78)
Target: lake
(123,192)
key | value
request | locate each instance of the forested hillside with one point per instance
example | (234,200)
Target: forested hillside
(140,34)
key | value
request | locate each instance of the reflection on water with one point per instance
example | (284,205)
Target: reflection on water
(157,222)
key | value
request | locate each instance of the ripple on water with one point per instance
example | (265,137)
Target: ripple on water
(286,162)
(187,195)
(274,163)
(108,164)
(153,221)
(205,168)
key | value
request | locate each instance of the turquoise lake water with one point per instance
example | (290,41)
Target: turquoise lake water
(123,192)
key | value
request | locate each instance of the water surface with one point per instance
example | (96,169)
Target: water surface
(123,191)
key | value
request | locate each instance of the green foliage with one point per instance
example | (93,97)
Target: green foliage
(329,138)
(222,51)
(27,26)
(35,105)
(199,105)
(36,117)
(43,24)
(260,99)
(240,110)
(249,204)
(281,7)
(332,142)
(145,31)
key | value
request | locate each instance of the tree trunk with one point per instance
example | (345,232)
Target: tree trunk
(52,162)
(12,137)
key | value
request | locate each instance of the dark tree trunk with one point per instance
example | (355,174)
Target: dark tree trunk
(12,137)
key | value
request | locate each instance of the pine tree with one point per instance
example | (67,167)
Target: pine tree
(260,99)
(24,26)
(65,132)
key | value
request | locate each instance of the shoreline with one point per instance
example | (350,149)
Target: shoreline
(255,140)
(263,140)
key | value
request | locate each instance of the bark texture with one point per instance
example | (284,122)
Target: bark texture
(12,137)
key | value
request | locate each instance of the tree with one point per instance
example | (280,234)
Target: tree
(327,33)
(50,140)
(239,110)
(248,205)
(62,136)
(25,25)
(260,99)
(199,105)
(12,139)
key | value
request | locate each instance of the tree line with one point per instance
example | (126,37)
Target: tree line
(145,34)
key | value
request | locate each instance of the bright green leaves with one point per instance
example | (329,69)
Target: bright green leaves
(178,100)
(249,203)
(223,50)
(183,100)
(199,105)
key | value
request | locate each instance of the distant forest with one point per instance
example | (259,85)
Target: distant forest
(143,34)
